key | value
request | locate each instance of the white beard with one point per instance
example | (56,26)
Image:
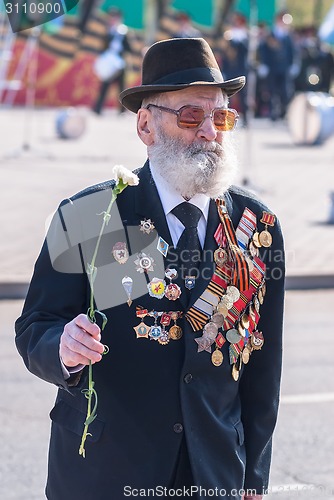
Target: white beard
(202,167)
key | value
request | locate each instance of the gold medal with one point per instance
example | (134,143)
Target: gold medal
(264,288)
(235,373)
(245,355)
(241,330)
(245,321)
(217,357)
(175,332)
(260,296)
(252,313)
(256,240)
(222,309)
(265,239)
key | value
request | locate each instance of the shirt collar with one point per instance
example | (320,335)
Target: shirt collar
(171,198)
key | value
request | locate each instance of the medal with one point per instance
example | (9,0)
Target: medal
(173,291)
(245,355)
(162,246)
(204,344)
(127,283)
(256,240)
(233,292)
(241,330)
(163,338)
(265,237)
(189,282)
(245,321)
(210,330)
(142,330)
(175,331)
(257,340)
(227,301)
(233,336)
(120,252)
(235,372)
(144,263)
(156,288)
(165,319)
(218,319)
(220,256)
(253,250)
(217,357)
(155,330)
(146,226)
(222,309)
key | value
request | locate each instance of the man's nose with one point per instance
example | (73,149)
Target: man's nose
(207,130)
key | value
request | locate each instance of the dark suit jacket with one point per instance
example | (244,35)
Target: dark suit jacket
(149,395)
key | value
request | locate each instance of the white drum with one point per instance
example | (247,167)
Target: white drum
(311,117)
(70,123)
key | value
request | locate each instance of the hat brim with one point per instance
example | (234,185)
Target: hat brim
(132,98)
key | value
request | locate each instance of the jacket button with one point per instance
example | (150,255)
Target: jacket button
(178,428)
(188,378)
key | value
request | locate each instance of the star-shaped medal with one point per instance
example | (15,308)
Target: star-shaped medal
(204,344)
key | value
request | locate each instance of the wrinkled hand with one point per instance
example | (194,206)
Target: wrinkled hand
(80,342)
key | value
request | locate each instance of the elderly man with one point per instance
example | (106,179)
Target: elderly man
(188,272)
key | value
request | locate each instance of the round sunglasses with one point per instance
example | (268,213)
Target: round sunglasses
(192,117)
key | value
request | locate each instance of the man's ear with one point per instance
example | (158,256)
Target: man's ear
(145,128)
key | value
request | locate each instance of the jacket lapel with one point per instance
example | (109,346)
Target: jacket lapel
(148,204)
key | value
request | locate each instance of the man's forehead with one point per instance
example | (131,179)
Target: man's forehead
(189,95)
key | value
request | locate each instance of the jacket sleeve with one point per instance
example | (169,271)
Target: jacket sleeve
(260,382)
(57,294)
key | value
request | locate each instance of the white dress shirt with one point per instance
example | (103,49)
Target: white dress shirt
(171,198)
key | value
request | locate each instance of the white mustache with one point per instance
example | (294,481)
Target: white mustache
(210,147)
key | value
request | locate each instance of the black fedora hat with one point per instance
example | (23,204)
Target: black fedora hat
(176,64)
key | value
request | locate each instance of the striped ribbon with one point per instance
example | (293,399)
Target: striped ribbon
(268,219)
(240,276)
(246,228)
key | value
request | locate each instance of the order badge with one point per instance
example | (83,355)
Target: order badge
(156,288)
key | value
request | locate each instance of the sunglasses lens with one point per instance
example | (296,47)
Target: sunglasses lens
(190,117)
(224,119)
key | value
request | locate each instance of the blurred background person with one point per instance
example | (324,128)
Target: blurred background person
(234,60)
(276,58)
(316,63)
(112,60)
(185,29)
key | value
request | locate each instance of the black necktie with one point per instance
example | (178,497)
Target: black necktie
(188,247)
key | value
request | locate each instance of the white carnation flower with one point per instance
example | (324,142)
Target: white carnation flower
(120,172)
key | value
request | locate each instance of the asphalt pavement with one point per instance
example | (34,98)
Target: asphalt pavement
(303,460)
